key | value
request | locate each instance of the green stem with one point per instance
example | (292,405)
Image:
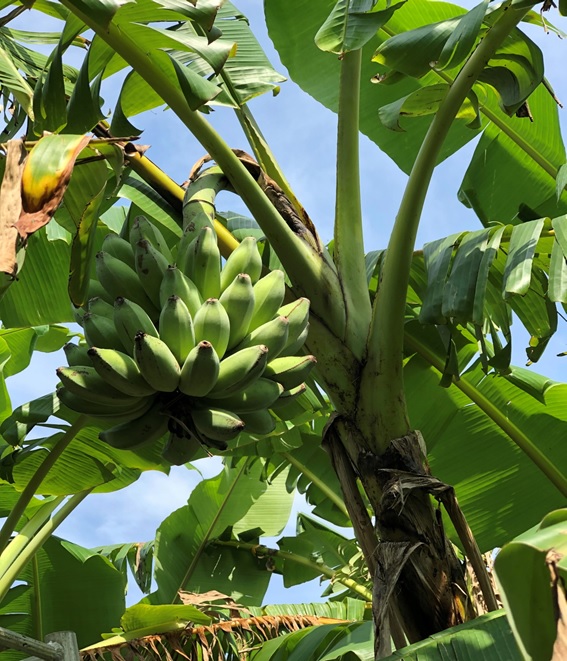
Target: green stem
(383,410)
(311,274)
(348,235)
(15,547)
(327,491)
(259,550)
(516,435)
(37,542)
(32,487)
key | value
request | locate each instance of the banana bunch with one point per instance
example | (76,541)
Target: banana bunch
(180,343)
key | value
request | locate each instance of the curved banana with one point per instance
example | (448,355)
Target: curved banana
(217,424)
(176,328)
(86,382)
(120,371)
(133,434)
(286,407)
(238,301)
(239,370)
(176,283)
(274,334)
(269,294)
(244,259)
(119,412)
(201,263)
(99,306)
(120,280)
(211,323)
(76,354)
(142,228)
(200,370)
(180,450)
(129,319)
(150,267)
(259,422)
(290,371)
(96,290)
(118,247)
(157,364)
(100,331)
(292,348)
(259,395)
(297,313)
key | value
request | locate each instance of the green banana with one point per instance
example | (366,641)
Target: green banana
(240,370)
(238,301)
(259,395)
(157,364)
(118,412)
(212,323)
(129,319)
(133,434)
(180,450)
(259,422)
(290,371)
(150,267)
(142,228)
(269,294)
(176,283)
(120,248)
(76,354)
(200,370)
(244,259)
(274,334)
(176,328)
(297,313)
(217,424)
(120,371)
(201,263)
(292,348)
(96,290)
(99,306)
(286,407)
(85,382)
(120,280)
(100,331)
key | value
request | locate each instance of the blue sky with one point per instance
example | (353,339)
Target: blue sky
(302,135)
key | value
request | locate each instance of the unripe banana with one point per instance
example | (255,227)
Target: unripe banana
(96,290)
(150,267)
(238,301)
(297,314)
(85,382)
(200,370)
(217,424)
(100,331)
(98,305)
(119,411)
(201,263)
(142,228)
(273,334)
(269,294)
(293,348)
(290,371)
(176,328)
(76,354)
(244,259)
(129,319)
(286,407)
(176,283)
(120,371)
(120,280)
(259,422)
(157,364)
(145,429)
(180,450)
(239,370)
(212,323)
(259,395)
(120,248)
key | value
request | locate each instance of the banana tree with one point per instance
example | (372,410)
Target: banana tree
(384,325)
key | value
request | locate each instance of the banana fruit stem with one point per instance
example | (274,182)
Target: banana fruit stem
(382,406)
(32,487)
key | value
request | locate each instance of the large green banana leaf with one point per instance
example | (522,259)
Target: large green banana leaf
(512,149)
(64,588)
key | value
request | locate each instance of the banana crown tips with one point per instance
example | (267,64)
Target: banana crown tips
(176,342)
